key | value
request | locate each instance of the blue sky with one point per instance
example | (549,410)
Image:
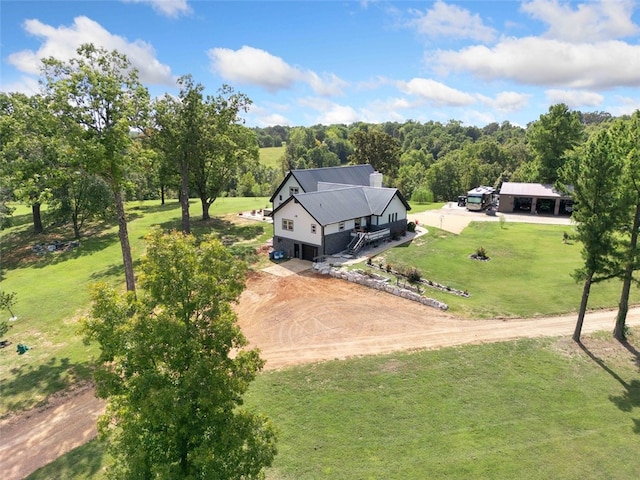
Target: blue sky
(307,62)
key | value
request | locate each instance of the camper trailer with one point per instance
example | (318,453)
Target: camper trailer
(480,198)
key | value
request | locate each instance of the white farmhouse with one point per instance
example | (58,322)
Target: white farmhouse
(320,212)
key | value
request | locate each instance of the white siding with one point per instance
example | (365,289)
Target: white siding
(302,222)
(395,206)
(284,191)
(335,227)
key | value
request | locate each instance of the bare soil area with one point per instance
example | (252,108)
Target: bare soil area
(294,319)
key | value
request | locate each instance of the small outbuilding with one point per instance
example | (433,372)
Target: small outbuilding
(536,198)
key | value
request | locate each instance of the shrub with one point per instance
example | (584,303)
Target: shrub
(422,195)
(411,227)
(388,268)
(413,275)
(481,253)
(246,253)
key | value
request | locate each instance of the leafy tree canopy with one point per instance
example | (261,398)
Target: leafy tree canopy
(174,368)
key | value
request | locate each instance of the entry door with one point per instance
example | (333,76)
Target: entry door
(296,250)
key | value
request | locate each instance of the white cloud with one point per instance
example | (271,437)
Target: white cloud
(62,43)
(392,104)
(538,61)
(342,114)
(374,83)
(574,98)
(437,93)
(475,117)
(588,22)
(444,20)
(625,106)
(331,112)
(254,66)
(27,85)
(169,8)
(510,101)
(273,119)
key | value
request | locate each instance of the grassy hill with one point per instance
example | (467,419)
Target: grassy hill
(53,289)
(527,409)
(530,409)
(272,157)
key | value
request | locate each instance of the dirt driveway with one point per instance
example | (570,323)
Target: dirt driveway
(294,319)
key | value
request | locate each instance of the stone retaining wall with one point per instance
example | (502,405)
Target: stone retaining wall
(379,283)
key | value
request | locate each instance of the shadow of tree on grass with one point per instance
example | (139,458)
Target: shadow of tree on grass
(28,383)
(630,398)
(228,231)
(82,462)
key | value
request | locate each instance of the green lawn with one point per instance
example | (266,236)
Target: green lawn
(53,291)
(272,157)
(528,274)
(526,409)
(530,409)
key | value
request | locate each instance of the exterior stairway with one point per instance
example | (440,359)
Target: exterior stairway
(361,239)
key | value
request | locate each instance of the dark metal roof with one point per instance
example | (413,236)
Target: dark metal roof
(341,204)
(347,175)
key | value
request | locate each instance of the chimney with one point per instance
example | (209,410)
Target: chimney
(375,180)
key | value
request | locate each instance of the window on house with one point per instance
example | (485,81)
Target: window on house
(280,197)
(287,224)
(313,228)
(293,190)
(341,226)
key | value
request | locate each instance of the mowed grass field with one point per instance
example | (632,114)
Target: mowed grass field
(53,290)
(529,272)
(272,157)
(529,409)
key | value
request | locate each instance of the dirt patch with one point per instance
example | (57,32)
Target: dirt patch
(294,319)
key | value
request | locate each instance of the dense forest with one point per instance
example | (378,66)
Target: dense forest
(433,161)
(87,143)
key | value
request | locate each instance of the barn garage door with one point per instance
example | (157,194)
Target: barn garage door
(309,252)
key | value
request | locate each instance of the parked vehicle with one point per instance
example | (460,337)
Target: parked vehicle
(480,198)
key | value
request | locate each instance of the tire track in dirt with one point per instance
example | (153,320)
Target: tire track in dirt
(294,320)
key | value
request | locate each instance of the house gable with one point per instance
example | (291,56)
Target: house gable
(307,180)
(331,204)
(291,220)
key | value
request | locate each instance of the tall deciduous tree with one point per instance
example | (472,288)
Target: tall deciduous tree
(595,173)
(28,150)
(378,149)
(627,147)
(227,146)
(174,368)
(100,101)
(181,128)
(552,137)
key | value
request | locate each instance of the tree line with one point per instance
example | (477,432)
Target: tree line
(172,361)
